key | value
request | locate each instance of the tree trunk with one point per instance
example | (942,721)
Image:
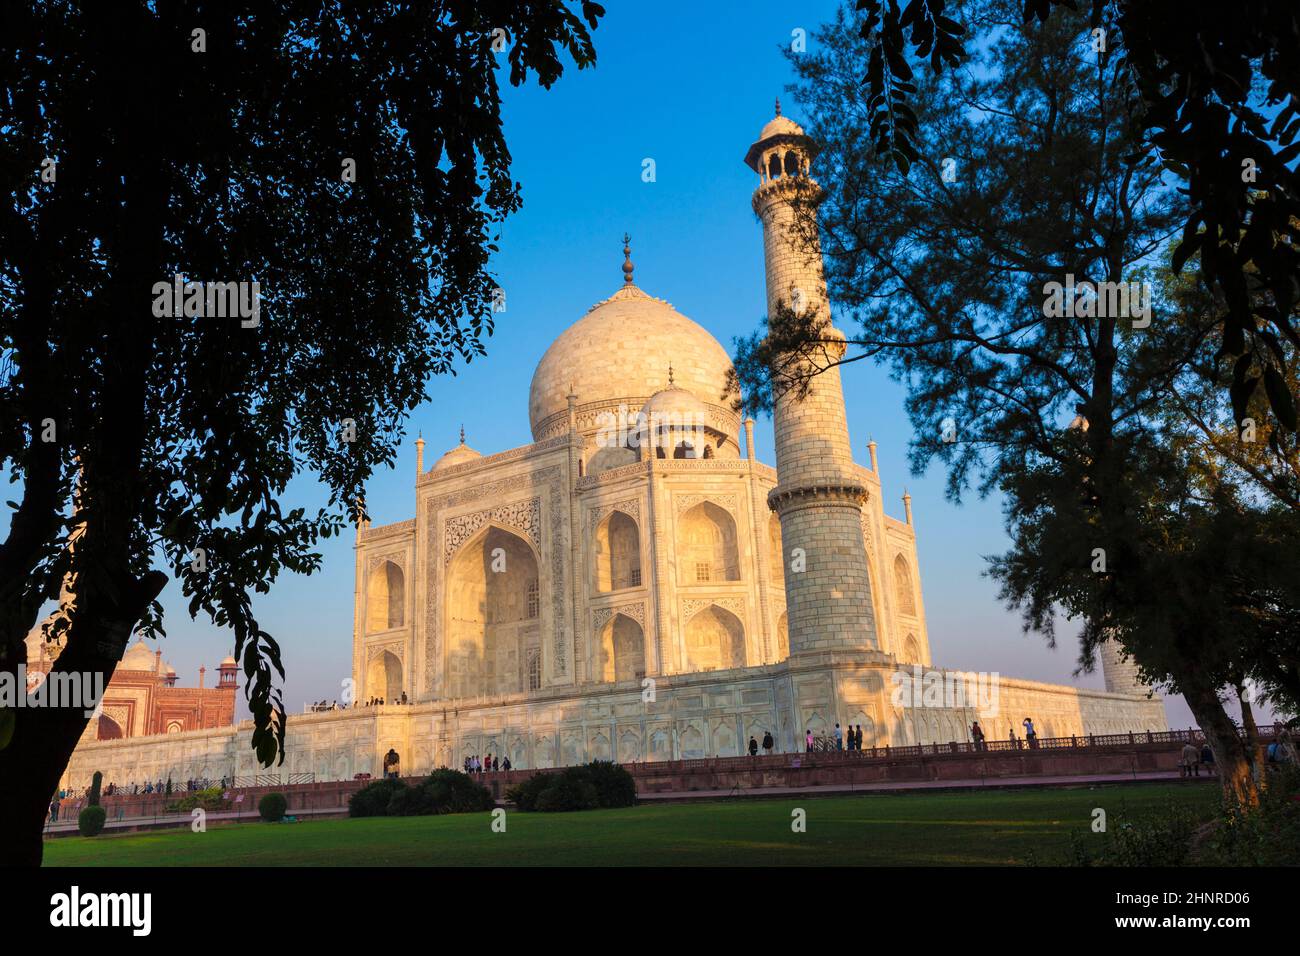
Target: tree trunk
(1230,756)
(44,737)
(1254,747)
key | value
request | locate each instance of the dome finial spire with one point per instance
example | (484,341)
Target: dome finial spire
(627,259)
(670,374)
(462,434)
(778,106)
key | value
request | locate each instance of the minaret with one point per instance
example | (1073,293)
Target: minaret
(818,496)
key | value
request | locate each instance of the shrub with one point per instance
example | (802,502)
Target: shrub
(210,799)
(92,799)
(1160,838)
(567,792)
(272,807)
(524,795)
(451,791)
(1268,835)
(600,783)
(614,785)
(91,820)
(372,800)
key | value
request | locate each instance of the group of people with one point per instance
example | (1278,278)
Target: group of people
(380,701)
(850,740)
(477,764)
(768,744)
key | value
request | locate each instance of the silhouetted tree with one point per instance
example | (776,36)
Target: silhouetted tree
(1219,87)
(349,159)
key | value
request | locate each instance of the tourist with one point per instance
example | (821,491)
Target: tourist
(857,743)
(496,763)
(809,739)
(1011,735)
(768,743)
(467,764)
(839,738)
(1191,760)
(1207,757)
(54,810)
(753,747)
(505,764)
(1031,735)
(977,735)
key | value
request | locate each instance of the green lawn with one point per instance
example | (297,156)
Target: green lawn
(981,828)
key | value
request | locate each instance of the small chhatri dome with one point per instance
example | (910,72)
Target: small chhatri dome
(676,407)
(458,455)
(229,662)
(138,657)
(780,130)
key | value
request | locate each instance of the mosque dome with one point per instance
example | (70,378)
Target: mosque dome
(138,657)
(458,455)
(619,354)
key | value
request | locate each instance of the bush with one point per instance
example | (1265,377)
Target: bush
(451,791)
(91,820)
(614,785)
(600,783)
(272,807)
(97,781)
(1160,838)
(210,799)
(524,795)
(567,792)
(1268,835)
(443,791)
(372,800)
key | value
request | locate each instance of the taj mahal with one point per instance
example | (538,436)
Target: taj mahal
(634,584)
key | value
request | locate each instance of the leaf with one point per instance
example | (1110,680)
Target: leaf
(1279,397)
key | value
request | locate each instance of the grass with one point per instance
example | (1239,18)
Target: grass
(991,828)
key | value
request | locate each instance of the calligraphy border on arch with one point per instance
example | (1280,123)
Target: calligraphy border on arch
(540,481)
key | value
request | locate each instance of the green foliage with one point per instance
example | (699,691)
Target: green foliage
(615,787)
(601,783)
(524,795)
(92,799)
(443,791)
(567,792)
(1266,836)
(91,820)
(372,800)
(212,798)
(272,807)
(1211,108)
(1159,838)
(183,431)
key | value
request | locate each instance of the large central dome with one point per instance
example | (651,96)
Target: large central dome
(619,354)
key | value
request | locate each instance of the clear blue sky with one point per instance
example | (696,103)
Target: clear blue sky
(688,86)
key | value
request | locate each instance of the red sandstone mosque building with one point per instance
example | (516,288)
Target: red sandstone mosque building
(143,698)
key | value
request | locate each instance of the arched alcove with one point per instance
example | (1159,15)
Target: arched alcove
(776,557)
(715,640)
(492,612)
(620,649)
(108,729)
(706,545)
(618,553)
(385,597)
(911,650)
(384,677)
(903,589)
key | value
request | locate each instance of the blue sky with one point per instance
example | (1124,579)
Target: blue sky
(688,86)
